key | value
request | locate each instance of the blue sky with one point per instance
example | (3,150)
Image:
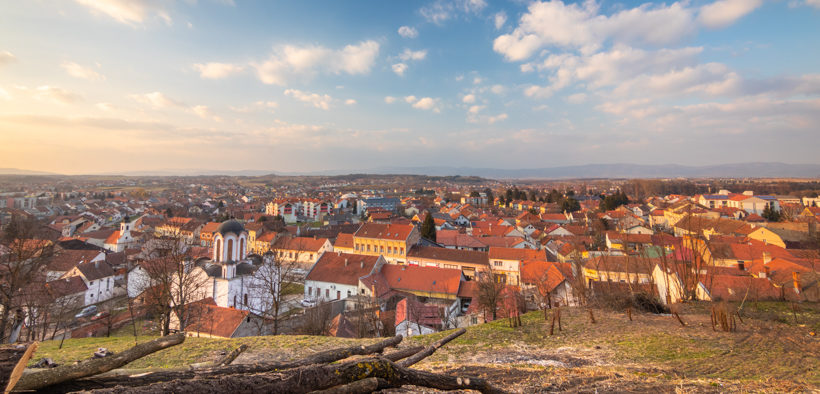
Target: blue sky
(91,86)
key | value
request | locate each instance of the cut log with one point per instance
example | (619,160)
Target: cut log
(404,353)
(312,378)
(430,349)
(231,356)
(363,386)
(160,376)
(92,367)
(13,360)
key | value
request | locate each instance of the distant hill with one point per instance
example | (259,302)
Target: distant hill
(615,170)
(17,171)
(622,170)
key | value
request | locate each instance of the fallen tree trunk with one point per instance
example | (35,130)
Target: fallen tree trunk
(153,377)
(13,360)
(231,356)
(312,378)
(404,353)
(431,349)
(363,386)
(96,366)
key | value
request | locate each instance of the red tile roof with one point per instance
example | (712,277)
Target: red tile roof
(344,268)
(208,318)
(384,231)
(422,279)
(498,253)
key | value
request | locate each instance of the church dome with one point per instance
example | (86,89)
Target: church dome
(231,226)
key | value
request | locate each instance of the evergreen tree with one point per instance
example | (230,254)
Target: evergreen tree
(428,228)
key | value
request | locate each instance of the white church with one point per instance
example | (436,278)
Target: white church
(230,277)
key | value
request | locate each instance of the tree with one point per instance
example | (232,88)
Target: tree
(474,194)
(274,279)
(490,197)
(771,214)
(24,254)
(490,287)
(172,280)
(428,228)
(570,204)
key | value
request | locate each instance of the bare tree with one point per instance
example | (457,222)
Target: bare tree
(173,282)
(274,280)
(489,292)
(317,319)
(24,253)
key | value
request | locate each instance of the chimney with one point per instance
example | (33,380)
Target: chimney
(766,271)
(345,262)
(796,278)
(361,265)
(767,258)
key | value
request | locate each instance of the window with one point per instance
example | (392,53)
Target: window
(357,246)
(338,295)
(246,299)
(390,250)
(381,249)
(310,290)
(497,263)
(327,293)
(348,293)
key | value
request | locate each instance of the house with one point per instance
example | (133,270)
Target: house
(344,243)
(335,275)
(416,318)
(64,260)
(121,239)
(392,241)
(209,320)
(303,251)
(453,239)
(552,280)
(206,233)
(505,263)
(625,269)
(469,262)
(99,278)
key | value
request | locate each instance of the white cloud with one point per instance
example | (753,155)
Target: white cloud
(399,68)
(389,99)
(497,89)
(477,80)
(408,32)
(555,24)
(813,3)
(427,103)
(577,98)
(260,105)
(157,100)
(321,101)
(130,12)
(205,113)
(723,13)
(500,19)
(350,102)
(410,99)
(53,94)
(497,118)
(215,70)
(105,106)
(78,71)
(4,94)
(468,99)
(475,109)
(441,10)
(6,57)
(289,61)
(412,55)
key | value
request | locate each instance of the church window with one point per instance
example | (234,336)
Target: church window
(219,250)
(230,250)
(242,248)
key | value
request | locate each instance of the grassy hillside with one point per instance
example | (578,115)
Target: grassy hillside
(773,350)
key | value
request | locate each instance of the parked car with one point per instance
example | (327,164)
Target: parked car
(100,315)
(87,311)
(308,303)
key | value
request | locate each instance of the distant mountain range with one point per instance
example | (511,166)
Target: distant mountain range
(618,170)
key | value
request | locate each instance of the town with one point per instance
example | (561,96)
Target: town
(362,256)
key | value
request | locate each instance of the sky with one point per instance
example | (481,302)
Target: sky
(107,86)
